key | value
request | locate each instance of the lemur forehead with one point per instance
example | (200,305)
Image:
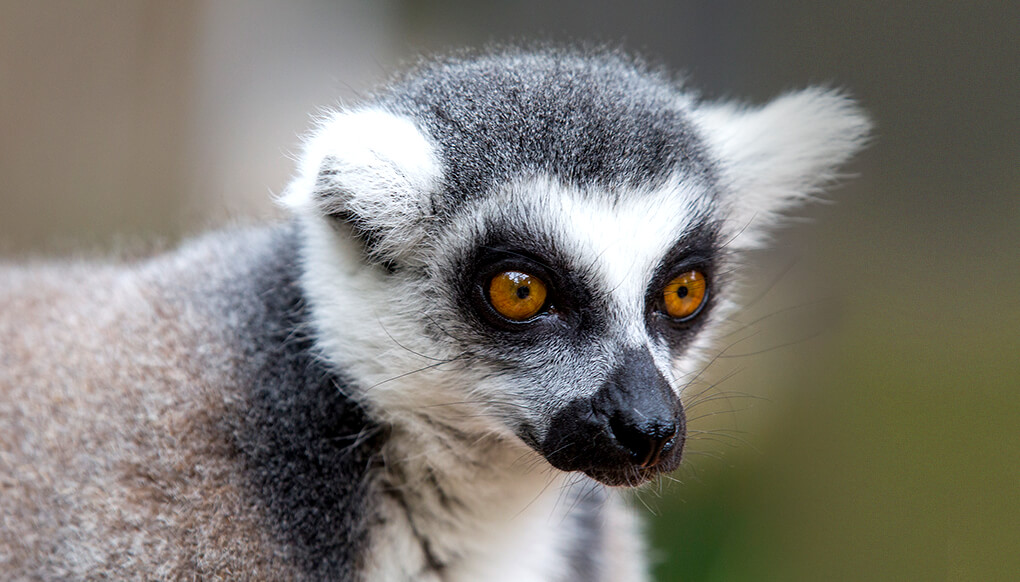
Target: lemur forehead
(583,118)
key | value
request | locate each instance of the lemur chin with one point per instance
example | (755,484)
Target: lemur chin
(501,274)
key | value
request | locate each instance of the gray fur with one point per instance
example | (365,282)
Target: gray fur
(307,448)
(607,120)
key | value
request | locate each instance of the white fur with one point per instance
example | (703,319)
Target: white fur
(775,156)
(510,527)
(380,159)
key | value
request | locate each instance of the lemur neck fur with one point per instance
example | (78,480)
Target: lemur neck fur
(455,472)
(471,503)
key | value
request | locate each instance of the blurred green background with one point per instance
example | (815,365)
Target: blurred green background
(865,430)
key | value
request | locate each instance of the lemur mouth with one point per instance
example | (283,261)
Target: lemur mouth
(663,458)
(627,477)
(610,451)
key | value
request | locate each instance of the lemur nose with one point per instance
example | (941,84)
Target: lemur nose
(646,440)
(644,416)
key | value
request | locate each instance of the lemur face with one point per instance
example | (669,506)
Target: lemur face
(581,306)
(537,245)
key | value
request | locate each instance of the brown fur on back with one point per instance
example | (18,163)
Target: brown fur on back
(116,418)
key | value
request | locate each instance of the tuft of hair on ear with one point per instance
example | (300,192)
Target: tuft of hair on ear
(372,170)
(774,156)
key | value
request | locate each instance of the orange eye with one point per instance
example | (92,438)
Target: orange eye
(685,294)
(517,296)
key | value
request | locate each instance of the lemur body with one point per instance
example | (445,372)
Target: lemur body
(354,395)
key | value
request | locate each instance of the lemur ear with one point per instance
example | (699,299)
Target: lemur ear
(372,170)
(775,156)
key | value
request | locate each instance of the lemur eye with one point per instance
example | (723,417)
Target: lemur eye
(685,295)
(517,296)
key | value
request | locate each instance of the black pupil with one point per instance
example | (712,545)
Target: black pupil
(523,291)
(681,292)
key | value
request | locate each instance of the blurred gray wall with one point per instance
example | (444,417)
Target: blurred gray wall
(130,119)
(93,101)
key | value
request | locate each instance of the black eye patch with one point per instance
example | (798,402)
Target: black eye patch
(696,252)
(571,310)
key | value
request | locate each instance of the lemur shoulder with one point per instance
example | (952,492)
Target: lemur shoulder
(500,275)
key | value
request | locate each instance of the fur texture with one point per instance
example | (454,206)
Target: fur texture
(337,398)
(185,432)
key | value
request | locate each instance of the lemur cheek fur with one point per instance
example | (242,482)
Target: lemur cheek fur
(498,269)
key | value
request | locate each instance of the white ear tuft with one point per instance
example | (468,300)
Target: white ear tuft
(777,155)
(368,166)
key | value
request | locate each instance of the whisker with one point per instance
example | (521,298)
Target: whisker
(772,283)
(402,346)
(693,400)
(406,374)
(728,395)
(716,413)
(775,347)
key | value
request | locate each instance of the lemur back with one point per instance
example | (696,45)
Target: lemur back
(188,431)
(501,274)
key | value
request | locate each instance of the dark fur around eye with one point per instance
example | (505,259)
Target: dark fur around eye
(697,251)
(512,262)
(571,309)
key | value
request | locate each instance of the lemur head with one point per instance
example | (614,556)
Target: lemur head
(538,245)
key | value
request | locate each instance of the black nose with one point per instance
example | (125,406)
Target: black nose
(645,416)
(630,430)
(646,440)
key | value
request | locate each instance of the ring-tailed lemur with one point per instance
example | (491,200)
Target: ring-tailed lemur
(501,274)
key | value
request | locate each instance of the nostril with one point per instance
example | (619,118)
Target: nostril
(645,441)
